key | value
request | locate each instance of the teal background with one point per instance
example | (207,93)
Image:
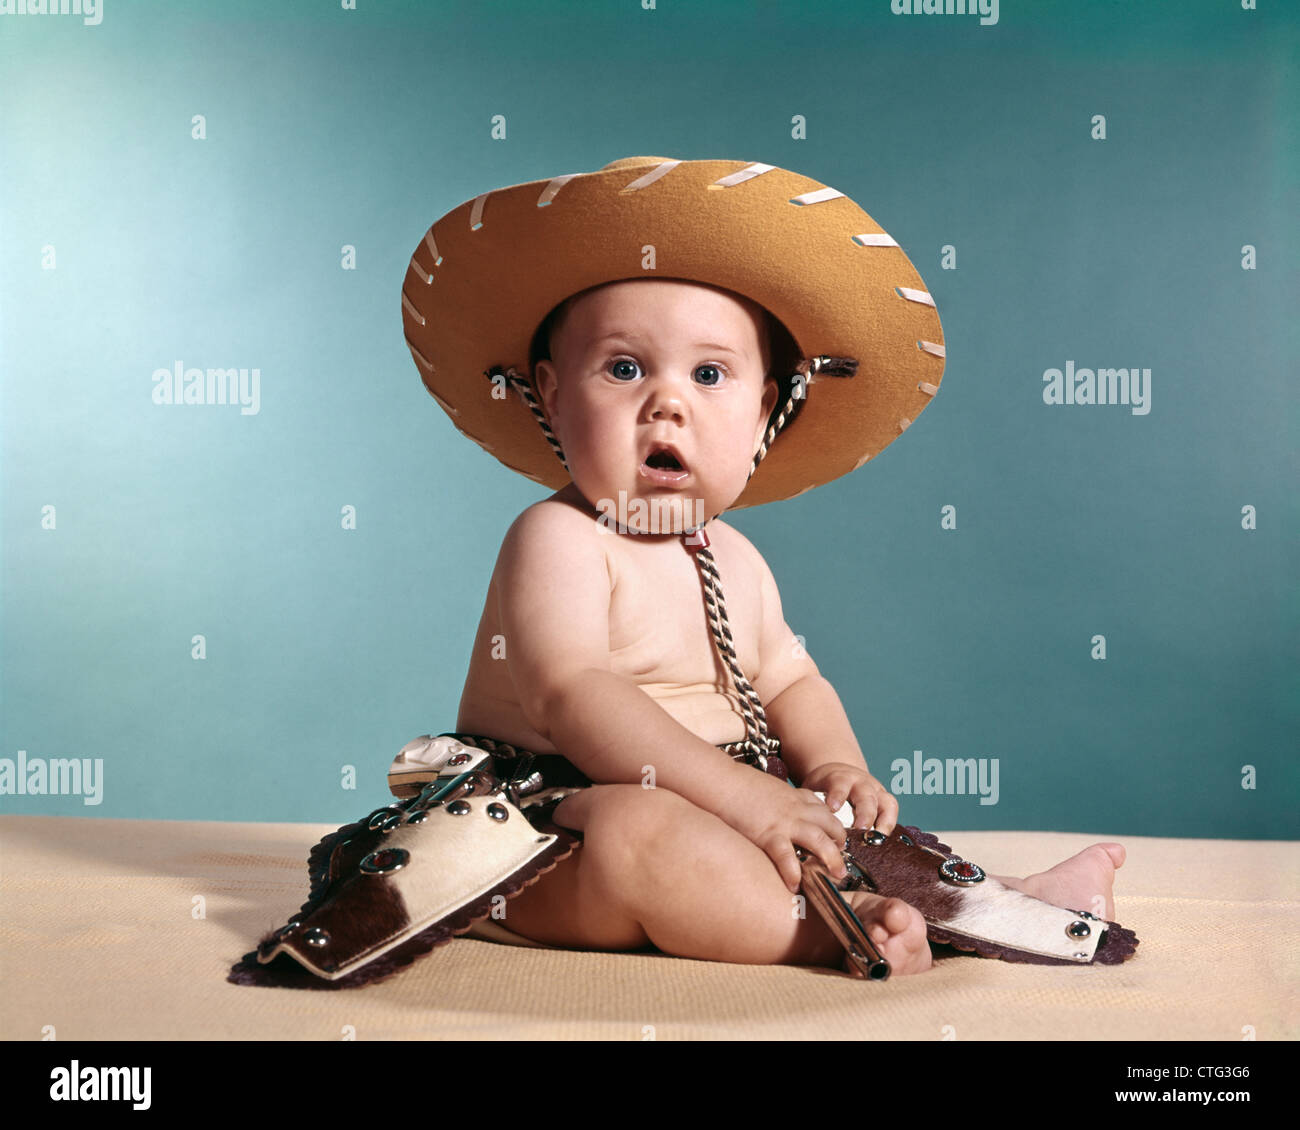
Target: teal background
(328,127)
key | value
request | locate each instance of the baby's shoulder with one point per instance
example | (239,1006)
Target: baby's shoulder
(723,534)
(730,541)
(555,532)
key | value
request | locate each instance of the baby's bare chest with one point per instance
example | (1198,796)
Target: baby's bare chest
(659,628)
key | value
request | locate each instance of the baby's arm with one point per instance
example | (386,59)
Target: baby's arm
(803,710)
(554,590)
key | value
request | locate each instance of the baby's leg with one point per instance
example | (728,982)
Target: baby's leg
(655,869)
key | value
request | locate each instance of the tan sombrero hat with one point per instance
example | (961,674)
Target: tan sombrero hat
(486,275)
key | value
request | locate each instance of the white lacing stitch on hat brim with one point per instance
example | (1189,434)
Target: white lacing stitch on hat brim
(433,248)
(749,172)
(920,296)
(424,276)
(476,212)
(448,408)
(409,307)
(552,189)
(927,388)
(932,347)
(818,197)
(650,177)
(875,239)
(420,358)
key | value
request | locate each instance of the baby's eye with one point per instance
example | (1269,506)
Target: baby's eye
(708,375)
(624,369)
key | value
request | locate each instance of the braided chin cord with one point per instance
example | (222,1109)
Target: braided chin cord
(763,748)
(760,748)
(524,387)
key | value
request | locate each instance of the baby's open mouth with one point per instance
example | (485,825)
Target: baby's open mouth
(664,461)
(663,465)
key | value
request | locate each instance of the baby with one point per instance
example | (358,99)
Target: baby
(660,391)
(662,341)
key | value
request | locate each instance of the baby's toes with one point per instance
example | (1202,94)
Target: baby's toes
(1116,853)
(893,917)
(899,933)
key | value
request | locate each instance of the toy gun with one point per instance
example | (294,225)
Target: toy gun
(820,890)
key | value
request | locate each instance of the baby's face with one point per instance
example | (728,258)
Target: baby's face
(658,388)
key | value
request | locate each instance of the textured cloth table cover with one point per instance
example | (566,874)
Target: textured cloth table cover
(126,929)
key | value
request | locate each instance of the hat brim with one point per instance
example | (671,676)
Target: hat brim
(488,272)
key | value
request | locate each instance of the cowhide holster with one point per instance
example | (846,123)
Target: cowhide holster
(473,827)
(962,905)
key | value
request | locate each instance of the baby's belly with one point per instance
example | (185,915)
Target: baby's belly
(700,708)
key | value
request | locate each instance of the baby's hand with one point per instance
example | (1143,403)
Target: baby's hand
(775,817)
(873,805)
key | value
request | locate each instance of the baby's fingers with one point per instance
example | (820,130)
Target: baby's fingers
(887,812)
(873,807)
(782,854)
(819,841)
(836,795)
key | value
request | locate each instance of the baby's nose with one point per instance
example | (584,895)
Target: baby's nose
(666,391)
(666,403)
(663,408)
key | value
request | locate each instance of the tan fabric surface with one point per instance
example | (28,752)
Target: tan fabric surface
(100,941)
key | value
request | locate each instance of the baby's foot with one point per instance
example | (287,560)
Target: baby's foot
(897,929)
(1083,882)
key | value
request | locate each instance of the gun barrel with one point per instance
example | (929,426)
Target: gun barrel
(826,898)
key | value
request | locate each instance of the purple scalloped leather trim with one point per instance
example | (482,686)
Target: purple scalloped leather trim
(1118,945)
(924,839)
(318,861)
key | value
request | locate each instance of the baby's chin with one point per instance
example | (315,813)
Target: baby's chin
(642,508)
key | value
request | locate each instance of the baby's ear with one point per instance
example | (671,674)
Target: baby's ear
(546,381)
